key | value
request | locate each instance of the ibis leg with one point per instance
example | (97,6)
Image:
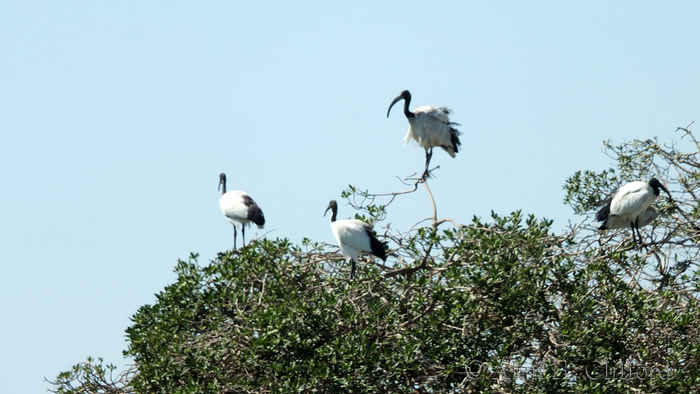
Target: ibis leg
(428,156)
(635,227)
(639,234)
(352,269)
(243,234)
(234,237)
(634,235)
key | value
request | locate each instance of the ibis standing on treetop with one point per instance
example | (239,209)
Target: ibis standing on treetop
(629,204)
(239,208)
(354,237)
(429,127)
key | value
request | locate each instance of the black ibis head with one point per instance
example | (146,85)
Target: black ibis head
(222,181)
(656,185)
(406,96)
(333,207)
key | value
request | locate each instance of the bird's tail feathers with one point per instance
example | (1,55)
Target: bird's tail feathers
(454,138)
(377,248)
(603,213)
(257,216)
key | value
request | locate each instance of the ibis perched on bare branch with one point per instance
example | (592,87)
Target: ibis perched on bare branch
(239,208)
(629,204)
(354,237)
(430,127)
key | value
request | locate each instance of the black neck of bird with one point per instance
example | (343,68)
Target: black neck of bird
(334,211)
(406,111)
(223,186)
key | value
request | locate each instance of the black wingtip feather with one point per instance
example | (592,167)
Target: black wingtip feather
(256,215)
(259,220)
(603,213)
(254,212)
(377,247)
(454,138)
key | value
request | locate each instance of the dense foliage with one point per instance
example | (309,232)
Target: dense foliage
(498,305)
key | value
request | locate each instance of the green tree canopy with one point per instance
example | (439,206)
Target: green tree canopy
(497,305)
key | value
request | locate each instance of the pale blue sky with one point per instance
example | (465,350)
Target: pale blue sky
(117,117)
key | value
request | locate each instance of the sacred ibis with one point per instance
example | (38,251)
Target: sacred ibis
(628,204)
(354,237)
(239,208)
(429,127)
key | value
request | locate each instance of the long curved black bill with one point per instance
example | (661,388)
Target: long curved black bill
(396,100)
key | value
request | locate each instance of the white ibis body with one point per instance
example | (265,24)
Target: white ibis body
(629,204)
(354,237)
(620,222)
(239,209)
(430,127)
